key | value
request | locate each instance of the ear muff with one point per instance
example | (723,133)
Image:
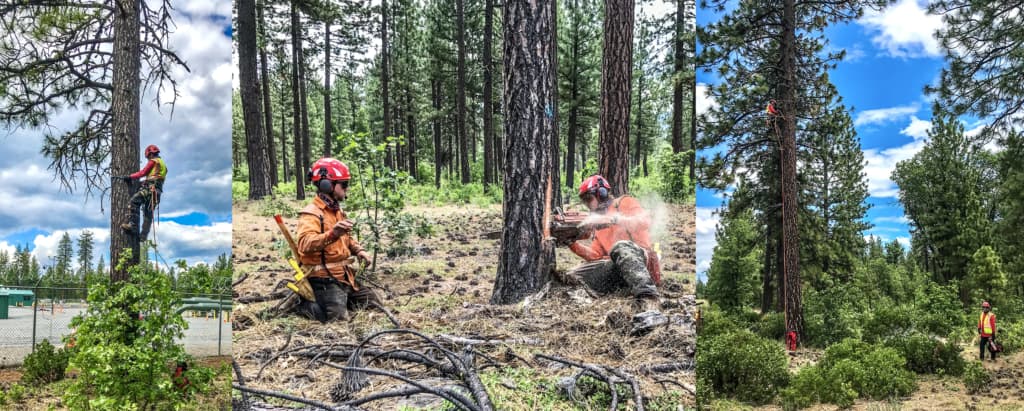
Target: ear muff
(324,185)
(602,192)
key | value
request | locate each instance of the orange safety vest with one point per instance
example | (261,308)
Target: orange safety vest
(987,324)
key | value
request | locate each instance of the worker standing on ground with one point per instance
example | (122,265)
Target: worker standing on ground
(148,196)
(324,245)
(987,329)
(621,242)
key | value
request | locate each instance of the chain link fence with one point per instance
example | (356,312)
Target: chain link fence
(49,315)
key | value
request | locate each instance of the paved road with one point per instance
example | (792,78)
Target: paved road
(16,333)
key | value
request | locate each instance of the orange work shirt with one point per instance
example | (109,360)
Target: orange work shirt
(316,247)
(633,225)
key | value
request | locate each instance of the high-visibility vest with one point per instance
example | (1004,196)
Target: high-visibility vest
(159,170)
(985,322)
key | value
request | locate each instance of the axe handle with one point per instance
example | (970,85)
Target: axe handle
(287,235)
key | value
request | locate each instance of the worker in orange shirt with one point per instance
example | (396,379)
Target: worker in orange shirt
(987,329)
(621,244)
(325,243)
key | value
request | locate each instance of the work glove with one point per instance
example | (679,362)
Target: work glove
(341,228)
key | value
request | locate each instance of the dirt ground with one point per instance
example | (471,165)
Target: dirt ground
(1006,392)
(444,289)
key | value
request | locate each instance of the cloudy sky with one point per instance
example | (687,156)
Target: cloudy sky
(891,56)
(195,214)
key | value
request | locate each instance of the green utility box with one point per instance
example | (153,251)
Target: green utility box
(19,298)
(3,304)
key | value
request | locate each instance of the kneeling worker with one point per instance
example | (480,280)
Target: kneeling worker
(325,243)
(622,243)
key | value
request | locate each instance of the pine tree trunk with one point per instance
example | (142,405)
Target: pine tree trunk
(616,85)
(435,94)
(300,192)
(385,74)
(255,139)
(639,116)
(328,126)
(488,94)
(284,147)
(410,120)
(460,99)
(766,270)
(677,80)
(268,112)
(556,191)
(124,147)
(526,258)
(790,229)
(304,105)
(570,144)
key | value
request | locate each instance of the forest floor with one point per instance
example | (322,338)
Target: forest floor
(444,290)
(48,396)
(1005,392)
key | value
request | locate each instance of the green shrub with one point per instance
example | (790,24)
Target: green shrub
(926,355)
(16,393)
(742,365)
(771,326)
(716,322)
(975,377)
(889,321)
(674,170)
(271,206)
(849,370)
(833,314)
(938,309)
(239,190)
(45,364)
(1010,335)
(123,361)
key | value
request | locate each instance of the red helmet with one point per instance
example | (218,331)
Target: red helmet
(595,184)
(152,149)
(330,168)
(985,304)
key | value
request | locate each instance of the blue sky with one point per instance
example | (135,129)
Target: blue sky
(891,56)
(195,214)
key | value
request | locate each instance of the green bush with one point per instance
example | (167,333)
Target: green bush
(833,314)
(271,206)
(674,169)
(938,309)
(771,326)
(927,355)
(889,321)
(743,365)
(1010,335)
(45,364)
(239,190)
(124,361)
(975,377)
(716,322)
(16,393)
(849,370)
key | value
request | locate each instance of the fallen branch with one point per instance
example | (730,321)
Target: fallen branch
(241,381)
(451,396)
(283,396)
(245,276)
(667,367)
(387,313)
(607,374)
(472,341)
(249,299)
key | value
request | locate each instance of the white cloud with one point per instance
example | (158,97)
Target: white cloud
(45,246)
(704,101)
(884,115)
(897,220)
(7,248)
(918,129)
(882,162)
(905,29)
(707,222)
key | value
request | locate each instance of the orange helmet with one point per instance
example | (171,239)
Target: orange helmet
(595,184)
(327,170)
(152,149)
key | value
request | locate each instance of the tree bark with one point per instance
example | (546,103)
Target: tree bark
(460,99)
(300,192)
(677,80)
(284,147)
(488,95)
(328,126)
(526,258)
(268,112)
(410,126)
(766,272)
(384,74)
(304,104)
(790,229)
(556,191)
(616,85)
(435,94)
(124,147)
(255,139)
